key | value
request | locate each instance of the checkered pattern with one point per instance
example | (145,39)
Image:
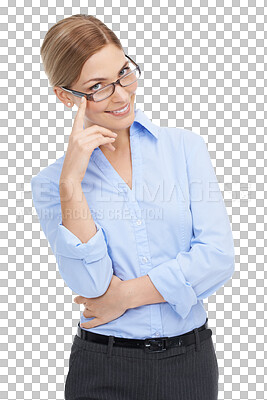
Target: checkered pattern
(203,70)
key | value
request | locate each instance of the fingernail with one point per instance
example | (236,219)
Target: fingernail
(115,133)
(82,100)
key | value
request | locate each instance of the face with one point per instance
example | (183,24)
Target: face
(107,63)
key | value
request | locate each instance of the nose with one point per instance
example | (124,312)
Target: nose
(121,93)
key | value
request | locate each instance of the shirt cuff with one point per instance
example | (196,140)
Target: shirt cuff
(69,245)
(169,280)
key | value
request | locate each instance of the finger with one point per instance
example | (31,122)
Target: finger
(98,137)
(96,129)
(79,300)
(88,314)
(79,117)
(109,146)
(96,140)
(90,324)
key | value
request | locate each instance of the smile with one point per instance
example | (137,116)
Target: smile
(122,111)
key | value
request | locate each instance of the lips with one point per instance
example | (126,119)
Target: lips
(119,108)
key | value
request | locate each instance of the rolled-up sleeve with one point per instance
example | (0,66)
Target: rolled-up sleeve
(196,274)
(85,267)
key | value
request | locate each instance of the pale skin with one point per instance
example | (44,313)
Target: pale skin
(120,295)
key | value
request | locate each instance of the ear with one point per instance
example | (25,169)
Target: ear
(63,96)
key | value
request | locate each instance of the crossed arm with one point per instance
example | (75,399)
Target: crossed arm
(140,291)
(181,281)
(120,296)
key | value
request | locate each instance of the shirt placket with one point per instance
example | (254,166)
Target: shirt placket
(131,202)
(140,230)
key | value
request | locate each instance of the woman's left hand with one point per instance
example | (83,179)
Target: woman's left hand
(105,308)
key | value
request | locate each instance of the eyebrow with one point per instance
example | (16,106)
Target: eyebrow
(105,79)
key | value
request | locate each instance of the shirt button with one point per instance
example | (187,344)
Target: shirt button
(187,283)
(157,333)
(138,222)
(144,259)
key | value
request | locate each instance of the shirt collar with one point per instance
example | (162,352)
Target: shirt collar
(144,121)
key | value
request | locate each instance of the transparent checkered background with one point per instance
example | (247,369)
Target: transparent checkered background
(203,68)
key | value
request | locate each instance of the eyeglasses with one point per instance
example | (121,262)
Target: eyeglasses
(102,94)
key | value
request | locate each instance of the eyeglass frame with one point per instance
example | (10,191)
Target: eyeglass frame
(89,96)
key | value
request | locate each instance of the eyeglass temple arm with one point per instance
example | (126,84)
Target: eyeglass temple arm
(73,91)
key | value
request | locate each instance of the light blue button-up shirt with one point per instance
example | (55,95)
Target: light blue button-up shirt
(173,226)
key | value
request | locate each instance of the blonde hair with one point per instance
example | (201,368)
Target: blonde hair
(70,43)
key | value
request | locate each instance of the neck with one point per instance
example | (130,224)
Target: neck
(122,141)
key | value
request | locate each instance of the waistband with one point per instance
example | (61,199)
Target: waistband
(160,344)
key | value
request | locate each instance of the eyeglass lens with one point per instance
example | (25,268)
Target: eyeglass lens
(131,76)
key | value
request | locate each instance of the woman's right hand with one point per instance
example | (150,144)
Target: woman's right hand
(82,143)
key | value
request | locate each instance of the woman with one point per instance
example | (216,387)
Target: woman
(135,217)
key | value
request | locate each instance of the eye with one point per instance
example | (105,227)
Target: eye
(94,87)
(125,68)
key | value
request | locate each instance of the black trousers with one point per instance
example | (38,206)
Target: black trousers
(99,371)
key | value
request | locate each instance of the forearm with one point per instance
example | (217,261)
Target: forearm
(140,291)
(76,215)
